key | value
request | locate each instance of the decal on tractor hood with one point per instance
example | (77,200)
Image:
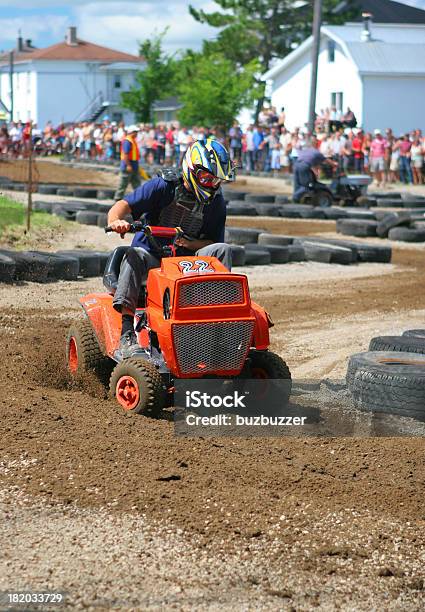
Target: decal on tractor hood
(199,265)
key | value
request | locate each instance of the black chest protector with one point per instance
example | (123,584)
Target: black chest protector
(184,211)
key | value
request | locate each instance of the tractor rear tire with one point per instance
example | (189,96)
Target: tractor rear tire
(83,354)
(137,385)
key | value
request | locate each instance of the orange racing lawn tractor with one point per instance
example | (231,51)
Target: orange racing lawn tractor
(194,319)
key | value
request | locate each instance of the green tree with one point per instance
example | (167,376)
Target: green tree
(212,90)
(154,82)
(263,29)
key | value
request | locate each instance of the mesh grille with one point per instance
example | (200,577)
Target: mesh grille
(216,346)
(211,292)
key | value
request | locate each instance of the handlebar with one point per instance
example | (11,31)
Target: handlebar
(152,230)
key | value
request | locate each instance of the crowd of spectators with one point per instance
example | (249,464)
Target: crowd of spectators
(268,146)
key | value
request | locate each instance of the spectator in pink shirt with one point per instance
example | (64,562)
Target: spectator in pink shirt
(377,157)
(404,146)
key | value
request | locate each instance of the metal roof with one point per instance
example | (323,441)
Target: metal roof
(376,57)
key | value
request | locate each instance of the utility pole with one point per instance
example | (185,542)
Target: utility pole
(317,22)
(30,180)
(11,70)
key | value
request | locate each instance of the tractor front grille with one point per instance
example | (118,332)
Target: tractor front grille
(205,348)
(211,292)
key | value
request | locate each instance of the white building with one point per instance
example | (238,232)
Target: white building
(70,81)
(378,72)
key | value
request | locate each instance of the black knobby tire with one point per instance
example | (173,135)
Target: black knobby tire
(414,333)
(272,364)
(275,239)
(90,358)
(268,365)
(388,382)
(238,255)
(323,199)
(406,234)
(400,344)
(152,396)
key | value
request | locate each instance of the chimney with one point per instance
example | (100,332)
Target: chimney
(71,36)
(28,43)
(20,44)
(366,34)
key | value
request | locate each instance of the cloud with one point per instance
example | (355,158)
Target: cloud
(33,27)
(122,24)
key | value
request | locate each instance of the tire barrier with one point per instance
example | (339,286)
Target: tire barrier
(43,267)
(354,227)
(388,382)
(325,250)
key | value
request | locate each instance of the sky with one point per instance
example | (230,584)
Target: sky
(107,22)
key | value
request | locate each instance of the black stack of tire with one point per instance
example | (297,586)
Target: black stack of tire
(390,377)
(400,226)
(43,267)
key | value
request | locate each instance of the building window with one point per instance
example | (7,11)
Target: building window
(117,117)
(337,100)
(117,81)
(331,50)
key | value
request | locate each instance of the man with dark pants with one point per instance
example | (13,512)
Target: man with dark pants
(193,202)
(306,170)
(129,167)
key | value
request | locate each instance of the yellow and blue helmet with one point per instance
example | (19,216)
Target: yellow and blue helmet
(205,165)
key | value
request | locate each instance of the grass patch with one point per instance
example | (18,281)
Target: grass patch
(13,225)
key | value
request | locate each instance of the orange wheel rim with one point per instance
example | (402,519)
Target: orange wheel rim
(73,355)
(127,392)
(259,373)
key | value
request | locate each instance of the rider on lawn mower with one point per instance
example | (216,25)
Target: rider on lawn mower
(306,171)
(192,202)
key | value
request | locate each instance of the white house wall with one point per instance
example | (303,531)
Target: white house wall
(291,88)
(396,102)
(338,76)
(61,91)
(66,89)
(25,91)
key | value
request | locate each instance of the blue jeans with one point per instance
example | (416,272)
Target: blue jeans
(405,169)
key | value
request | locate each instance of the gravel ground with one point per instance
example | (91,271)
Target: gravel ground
(87,505)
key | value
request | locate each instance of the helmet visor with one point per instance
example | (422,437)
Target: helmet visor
(206,179)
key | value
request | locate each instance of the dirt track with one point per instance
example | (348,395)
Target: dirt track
(276,524)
